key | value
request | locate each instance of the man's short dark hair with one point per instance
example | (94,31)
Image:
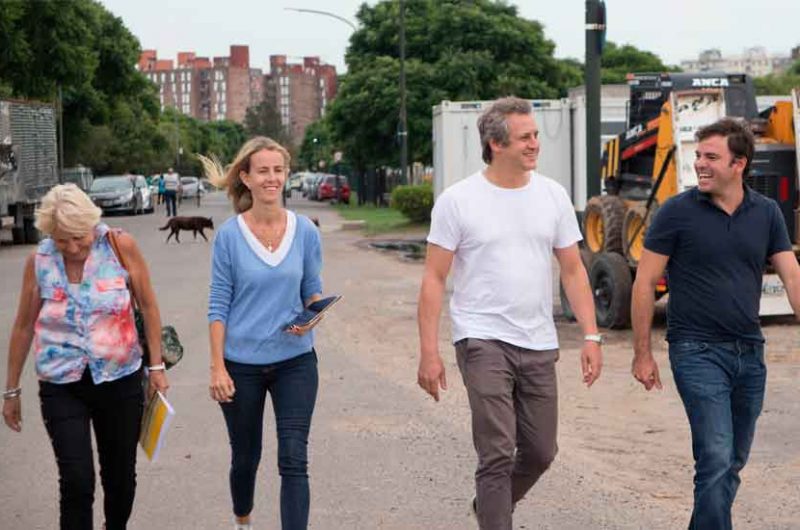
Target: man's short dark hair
(740,140)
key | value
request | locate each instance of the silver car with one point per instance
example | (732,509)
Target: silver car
(191,186)
(122,193)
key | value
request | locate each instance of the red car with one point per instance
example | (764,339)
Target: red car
(327,189)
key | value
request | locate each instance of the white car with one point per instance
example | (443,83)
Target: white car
(191,186)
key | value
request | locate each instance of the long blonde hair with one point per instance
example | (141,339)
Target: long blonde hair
(229,177)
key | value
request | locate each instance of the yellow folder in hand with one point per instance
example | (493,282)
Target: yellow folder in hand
(158,414)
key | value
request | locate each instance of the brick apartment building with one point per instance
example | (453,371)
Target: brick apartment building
(224,87)
(301,91)
(206,89)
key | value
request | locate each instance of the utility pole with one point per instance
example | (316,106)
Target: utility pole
(403,133)
(60,111)
(595,39)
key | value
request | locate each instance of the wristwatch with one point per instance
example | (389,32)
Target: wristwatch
(595,337)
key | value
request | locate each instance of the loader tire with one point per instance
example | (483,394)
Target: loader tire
(635,217)
(611,282)
(566,308)
(602,224)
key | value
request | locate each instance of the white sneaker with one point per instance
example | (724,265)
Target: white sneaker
(242,526)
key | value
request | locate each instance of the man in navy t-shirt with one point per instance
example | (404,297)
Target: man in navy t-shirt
(714,241)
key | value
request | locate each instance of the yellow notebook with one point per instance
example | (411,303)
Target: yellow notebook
(158,414)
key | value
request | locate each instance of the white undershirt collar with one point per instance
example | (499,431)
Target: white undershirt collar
(273,259)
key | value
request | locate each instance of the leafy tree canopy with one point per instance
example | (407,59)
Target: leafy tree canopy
(456,50)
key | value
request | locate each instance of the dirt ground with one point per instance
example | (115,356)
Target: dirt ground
(632,446)
(383,454)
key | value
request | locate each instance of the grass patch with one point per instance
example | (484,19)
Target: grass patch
(379,220)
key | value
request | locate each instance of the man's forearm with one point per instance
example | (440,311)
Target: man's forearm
(579,294)
(643,304)
(431,297)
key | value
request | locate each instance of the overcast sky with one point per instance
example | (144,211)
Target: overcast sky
(675,30)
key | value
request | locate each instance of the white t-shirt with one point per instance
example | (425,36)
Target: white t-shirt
(503,241)
(172,181)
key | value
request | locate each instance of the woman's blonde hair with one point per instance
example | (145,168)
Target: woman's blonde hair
(229,177)
(68,208)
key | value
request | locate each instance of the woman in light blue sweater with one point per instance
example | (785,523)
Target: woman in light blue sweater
(266,266)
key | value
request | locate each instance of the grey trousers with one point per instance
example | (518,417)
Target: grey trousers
(514,402)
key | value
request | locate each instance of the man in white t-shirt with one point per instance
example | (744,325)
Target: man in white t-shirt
(499,229)
(172,186)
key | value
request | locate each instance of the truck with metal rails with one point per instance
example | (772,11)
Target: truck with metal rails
(653,160)
(28,164)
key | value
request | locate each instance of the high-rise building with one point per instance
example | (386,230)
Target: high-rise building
(300,92)
(206,89)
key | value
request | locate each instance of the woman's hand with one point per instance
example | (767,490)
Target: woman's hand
(301,330)
(158,383)
(12,413)
(221,387)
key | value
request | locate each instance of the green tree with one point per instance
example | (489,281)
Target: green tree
(776,84)
(618,61)
(455,50)
(265,120)
(317,145)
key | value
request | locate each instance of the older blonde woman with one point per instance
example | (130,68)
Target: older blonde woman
(76,310)
(266,267)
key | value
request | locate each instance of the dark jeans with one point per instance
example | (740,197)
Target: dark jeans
(722,388)
(170,196)
(114,409)
(292,385)
(514,402)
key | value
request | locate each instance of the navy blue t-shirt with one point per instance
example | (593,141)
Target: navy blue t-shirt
(716,262)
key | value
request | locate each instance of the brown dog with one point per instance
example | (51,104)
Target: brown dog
(195,224)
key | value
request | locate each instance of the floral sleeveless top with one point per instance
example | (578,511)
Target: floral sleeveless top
(91,325)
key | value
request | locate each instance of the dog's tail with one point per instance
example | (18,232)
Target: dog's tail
(165,227)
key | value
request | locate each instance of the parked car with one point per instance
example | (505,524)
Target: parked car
(313,190)
(191,186)
(306,182)
(328,189)
(295,181)
(121,193)
(146,192)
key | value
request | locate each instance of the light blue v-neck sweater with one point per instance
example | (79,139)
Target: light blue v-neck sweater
(256,300)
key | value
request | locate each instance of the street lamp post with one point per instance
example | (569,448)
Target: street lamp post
(403,115)
(324,13)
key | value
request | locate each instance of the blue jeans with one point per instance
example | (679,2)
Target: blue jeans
(722,388)
(292,385)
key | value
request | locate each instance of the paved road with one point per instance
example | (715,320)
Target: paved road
(382,456)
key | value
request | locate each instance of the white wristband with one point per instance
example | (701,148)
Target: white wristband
(157,367)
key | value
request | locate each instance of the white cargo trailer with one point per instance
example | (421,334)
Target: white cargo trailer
(562,133)
(457,146)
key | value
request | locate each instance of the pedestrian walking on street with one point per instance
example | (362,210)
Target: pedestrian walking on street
(76,310)
(501,306)
(266,264)
(172,185)
(161,189)
(713,241)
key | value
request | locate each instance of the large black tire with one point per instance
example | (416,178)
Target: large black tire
(611,282)
(602,224)
(566,308)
